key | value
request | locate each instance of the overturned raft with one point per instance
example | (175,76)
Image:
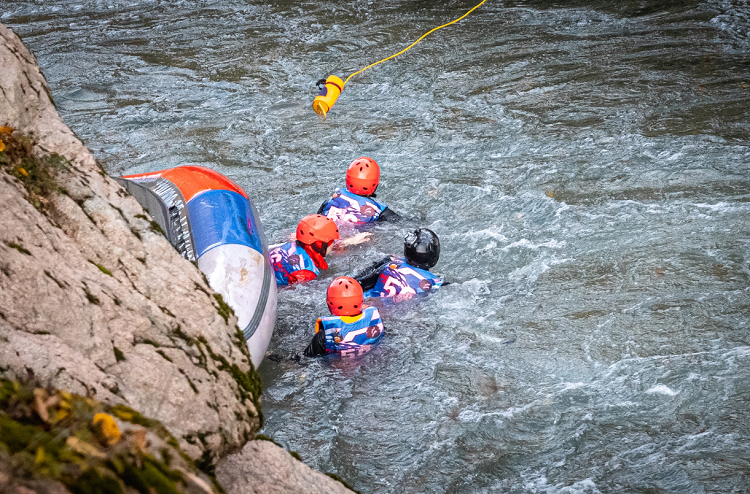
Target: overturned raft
(210,219)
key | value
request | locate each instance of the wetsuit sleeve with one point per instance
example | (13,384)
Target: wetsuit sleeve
(301,276)
(369,277)
(322,207)
(318,344)
(389,215)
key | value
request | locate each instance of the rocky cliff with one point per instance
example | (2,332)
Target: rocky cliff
(95,301)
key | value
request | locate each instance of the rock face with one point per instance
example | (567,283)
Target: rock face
(264,468)
(94,300)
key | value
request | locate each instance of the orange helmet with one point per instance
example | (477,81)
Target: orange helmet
(317,228)
(344,297)
(363,176)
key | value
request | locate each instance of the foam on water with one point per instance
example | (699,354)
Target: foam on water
(662,390)
(586,167)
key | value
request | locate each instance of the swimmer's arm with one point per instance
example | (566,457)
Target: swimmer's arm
(318,344)
(389,215)
(369,277)
(359,238)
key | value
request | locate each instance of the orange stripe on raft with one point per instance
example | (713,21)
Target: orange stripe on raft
(192,180)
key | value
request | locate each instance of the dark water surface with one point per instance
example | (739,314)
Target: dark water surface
(586,165)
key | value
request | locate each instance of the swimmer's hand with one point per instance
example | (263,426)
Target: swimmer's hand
(359,238)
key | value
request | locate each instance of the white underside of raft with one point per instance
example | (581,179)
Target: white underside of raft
(236,272)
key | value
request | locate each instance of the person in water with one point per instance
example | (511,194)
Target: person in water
(302,259)
(357,204)
(352,326)
(403,278)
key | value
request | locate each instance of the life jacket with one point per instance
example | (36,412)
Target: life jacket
(288,258)
(352,208)
(351,334)
(403,281)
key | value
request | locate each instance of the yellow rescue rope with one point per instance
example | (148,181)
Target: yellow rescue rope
(333,86)
(412,45)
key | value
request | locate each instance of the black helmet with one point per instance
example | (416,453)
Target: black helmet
(422,248)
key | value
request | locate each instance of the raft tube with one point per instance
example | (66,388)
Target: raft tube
(210,219)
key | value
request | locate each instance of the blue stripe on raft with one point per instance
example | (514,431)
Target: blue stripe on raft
(220,217)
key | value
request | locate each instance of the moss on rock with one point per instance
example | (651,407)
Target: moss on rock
(342,481)
(224,310)
(76,441)
(38,175)
(248,383)
(101,268)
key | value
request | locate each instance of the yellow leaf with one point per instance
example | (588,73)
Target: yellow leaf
(106,429)
(23,172)
(2,146)
(66,399)
(5,129)
(61,414)
(39,456)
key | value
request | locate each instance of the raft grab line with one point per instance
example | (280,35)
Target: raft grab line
(333,86)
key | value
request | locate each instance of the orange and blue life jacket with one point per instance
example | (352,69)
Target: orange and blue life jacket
(288,258)
(351,334)
(352,208)
(402,280)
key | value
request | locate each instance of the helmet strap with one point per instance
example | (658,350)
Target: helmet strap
(315,255)
(417,264)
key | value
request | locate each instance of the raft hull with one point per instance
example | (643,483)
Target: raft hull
(210,220)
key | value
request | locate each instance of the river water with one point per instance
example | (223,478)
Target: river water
(586,166)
